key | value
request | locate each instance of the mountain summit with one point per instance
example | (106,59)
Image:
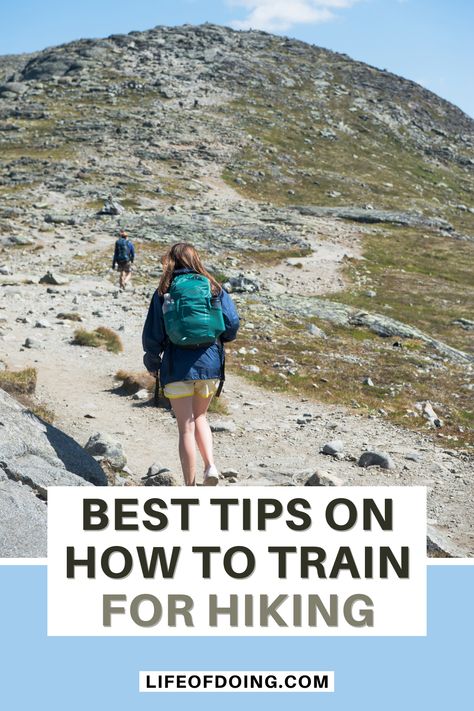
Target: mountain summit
(294,122)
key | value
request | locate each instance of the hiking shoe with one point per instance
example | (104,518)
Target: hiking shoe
(211,476)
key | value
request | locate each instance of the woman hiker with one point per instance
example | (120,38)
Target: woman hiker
(189,319)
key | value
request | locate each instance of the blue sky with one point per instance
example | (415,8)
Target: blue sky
(429,41)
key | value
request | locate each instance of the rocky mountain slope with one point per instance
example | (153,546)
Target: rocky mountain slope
(335,201)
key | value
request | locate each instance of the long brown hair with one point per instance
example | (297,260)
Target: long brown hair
(183,255)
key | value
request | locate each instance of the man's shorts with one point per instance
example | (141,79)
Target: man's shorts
(186,388)
(124,267)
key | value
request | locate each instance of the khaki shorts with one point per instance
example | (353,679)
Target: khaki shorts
(187,388)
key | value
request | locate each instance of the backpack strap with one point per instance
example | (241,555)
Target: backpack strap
(222,357)
(156,399)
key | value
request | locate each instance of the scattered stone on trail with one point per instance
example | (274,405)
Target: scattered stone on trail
(111,207)
(54,279)
(159,475)
(371,294)
(223,426)
(413,457)
(33,343)
(324,479)
(333,448)
(164,478)
(369,382)
(229,473)
(376,459)
(142,394)
(42,324)
(426,409)
(104,446)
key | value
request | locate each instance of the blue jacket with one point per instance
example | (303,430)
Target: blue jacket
(183,363)
(131,252)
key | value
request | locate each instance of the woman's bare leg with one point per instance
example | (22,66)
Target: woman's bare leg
(183,409)
(202,431)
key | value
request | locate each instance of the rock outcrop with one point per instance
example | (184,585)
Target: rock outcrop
(33,456)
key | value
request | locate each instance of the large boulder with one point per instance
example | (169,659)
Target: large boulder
(33,456)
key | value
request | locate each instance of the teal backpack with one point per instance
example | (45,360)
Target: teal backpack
(192,315)
(122,250)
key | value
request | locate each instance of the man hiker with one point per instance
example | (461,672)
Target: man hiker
(124,255)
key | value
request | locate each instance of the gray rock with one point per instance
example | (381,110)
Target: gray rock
(241,284)
(223,426)
(413,457)
(465,323)
(429,414)
(335,447)
(357,214)
(251,368)
(54,279)
(104,446)
(18,240)
(142,394)
(23,519)
(42,324)
(60,219)
(34,455)
(33,343)
(229,473)
(111,207)
(162,479)
(13,87)
(369,382)
(324,479)
(315,331)
(158,475)
(376,459)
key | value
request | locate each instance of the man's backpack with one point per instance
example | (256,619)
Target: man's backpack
(192,315)
(123,250)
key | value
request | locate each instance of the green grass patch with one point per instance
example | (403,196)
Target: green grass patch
(421,279)
(333,370)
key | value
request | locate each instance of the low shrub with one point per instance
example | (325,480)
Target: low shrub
(112,340)
(132,382)
(19,382)
(102,337)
